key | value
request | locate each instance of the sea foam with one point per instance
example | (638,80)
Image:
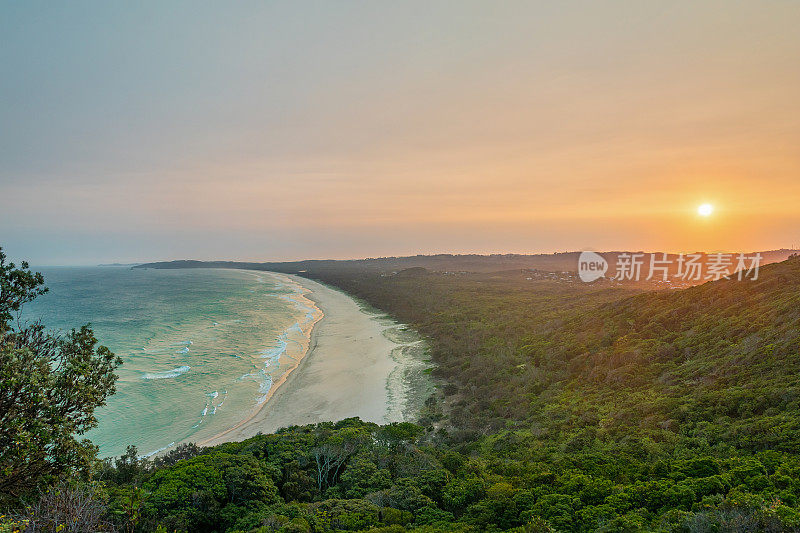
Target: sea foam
(167,374)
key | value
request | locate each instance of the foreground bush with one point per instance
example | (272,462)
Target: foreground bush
(50,386)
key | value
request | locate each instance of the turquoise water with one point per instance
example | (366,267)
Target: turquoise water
(201,348)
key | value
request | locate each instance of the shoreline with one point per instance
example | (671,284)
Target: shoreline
(277,385)
(346,370)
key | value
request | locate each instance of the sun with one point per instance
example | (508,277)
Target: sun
(705,210)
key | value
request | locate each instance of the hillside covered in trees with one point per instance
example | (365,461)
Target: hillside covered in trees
(453,263)
(560,407)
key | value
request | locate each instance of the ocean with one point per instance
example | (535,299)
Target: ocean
(201,347)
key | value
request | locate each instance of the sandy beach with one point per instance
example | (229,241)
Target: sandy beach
(345,373)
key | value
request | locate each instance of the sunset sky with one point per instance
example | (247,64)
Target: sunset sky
(289,130)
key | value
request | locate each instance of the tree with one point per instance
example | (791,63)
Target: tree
(335,450)
(209,492)
(50,385)
(18,286)
(66,509)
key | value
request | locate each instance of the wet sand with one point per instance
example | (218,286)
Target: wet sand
(343,374)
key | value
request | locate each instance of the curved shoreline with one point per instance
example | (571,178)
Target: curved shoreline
(276,386)
(344,371)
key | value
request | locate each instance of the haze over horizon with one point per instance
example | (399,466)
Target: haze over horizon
(265,131)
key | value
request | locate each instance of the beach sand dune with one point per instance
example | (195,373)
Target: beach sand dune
(344,373)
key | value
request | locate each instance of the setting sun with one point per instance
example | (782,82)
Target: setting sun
(393,266)
(705,210)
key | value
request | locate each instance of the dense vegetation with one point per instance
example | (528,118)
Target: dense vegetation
(717,362)
(561,406)
(49,387)
(555,262)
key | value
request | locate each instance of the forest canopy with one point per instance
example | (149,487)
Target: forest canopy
(560,407)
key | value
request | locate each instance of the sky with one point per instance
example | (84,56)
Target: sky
(157,130)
